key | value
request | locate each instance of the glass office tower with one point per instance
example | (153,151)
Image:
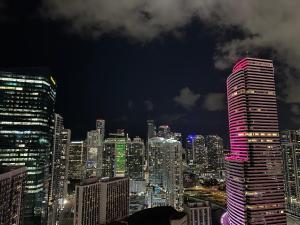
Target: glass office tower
(254,184)
(26,131)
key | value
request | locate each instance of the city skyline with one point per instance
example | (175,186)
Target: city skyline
(159,112)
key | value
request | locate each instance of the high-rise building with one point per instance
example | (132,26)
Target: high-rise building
(58,170)
(198,213)
(173,173)
(12,188)
(164,131)
(27,115)
(290,143)
(66,141)
(77,160)
(100,127)
(177,136)
(58,186)
(165,172)
(254,177)
(196,153)
(151,129)
(135,159)
(156,147)
(101,201)
(215,155)
(151,132)
(94,152)
(114,155)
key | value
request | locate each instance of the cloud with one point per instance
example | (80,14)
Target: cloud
(214,102)
(171,118)
(149,105)
(271,24)
(187,99)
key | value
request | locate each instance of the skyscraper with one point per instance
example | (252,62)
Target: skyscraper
(165,172)
(290,143)
(77,160)
(151,129)
(12,188)
(101,201)
(100,127)
(255,191)
(114,155)
(156,149)
(27,114)
(66,141)
(135,159)
(94,152)
(173,173)
(215,155)
(58,170)
(196,156)
(164,131)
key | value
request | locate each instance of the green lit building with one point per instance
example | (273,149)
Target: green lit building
(26,131)
(114,155)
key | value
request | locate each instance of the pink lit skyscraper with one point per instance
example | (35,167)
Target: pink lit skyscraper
(254,168)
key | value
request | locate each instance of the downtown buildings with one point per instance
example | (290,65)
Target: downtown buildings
(59,158)
(77,160)
(101,201)
(114,155)
(198,213)
(27,115)
(165,170)
(290,143)
(254,184)
(12,188)
(204,155)
(196,153)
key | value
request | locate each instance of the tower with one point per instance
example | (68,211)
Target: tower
(26,131)
(255,192)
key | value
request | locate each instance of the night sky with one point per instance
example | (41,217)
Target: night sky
(171,79)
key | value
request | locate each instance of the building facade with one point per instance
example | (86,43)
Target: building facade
(215,155)
(94,152)
(290,143)
(254,177)
(114,155)
(196,153)
(100,127)
(173,173)
(198,213)
(12,186)
(165,172)
(66,141)
(136,159)
(27,115)
(58,170)
(77,160)
(101,201)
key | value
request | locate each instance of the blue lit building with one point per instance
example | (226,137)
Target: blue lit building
(196,153)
